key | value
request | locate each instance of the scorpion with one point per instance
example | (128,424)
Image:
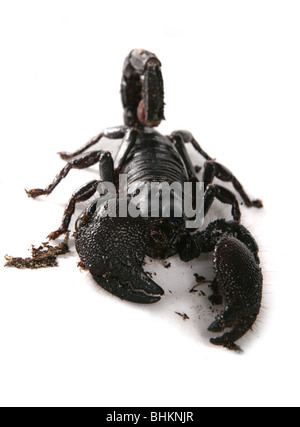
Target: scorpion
(113,249)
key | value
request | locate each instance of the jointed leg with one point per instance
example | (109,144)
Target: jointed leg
(213,169)
(86,161)
(187,137)
(86,192)
(81,195)
(224,196)
(111,133)
(180,146)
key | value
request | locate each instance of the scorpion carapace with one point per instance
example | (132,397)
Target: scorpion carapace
(113,248)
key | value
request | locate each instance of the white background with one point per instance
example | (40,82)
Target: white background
(231,71)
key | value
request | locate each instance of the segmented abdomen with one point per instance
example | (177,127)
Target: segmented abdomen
(154,159)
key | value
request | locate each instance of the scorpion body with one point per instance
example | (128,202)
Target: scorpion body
(113,248)
(154,158)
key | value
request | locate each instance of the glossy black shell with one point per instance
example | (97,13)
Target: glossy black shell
(154,158)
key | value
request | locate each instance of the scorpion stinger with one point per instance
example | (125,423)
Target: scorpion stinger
(142,89)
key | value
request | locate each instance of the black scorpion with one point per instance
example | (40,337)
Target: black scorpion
(113,248)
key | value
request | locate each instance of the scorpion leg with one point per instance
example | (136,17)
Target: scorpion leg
(211,191)
(111,133)
(184,137)
(83,162)
(224,196)
(238,276)
(81,195)
(84,193)
(180,147)
(213,169)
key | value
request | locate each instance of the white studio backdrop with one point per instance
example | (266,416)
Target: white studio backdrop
(231,71)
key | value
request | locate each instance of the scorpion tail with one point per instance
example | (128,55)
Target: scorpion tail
(142,88)
(113,250)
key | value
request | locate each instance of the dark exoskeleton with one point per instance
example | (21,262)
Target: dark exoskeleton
(113,248)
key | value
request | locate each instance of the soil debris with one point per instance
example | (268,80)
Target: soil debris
(42,257)
(183,315)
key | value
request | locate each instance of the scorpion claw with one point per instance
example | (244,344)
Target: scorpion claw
(139,289)
(239,280)
(227,344)
(217,326)
(113,250)
(239,329)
